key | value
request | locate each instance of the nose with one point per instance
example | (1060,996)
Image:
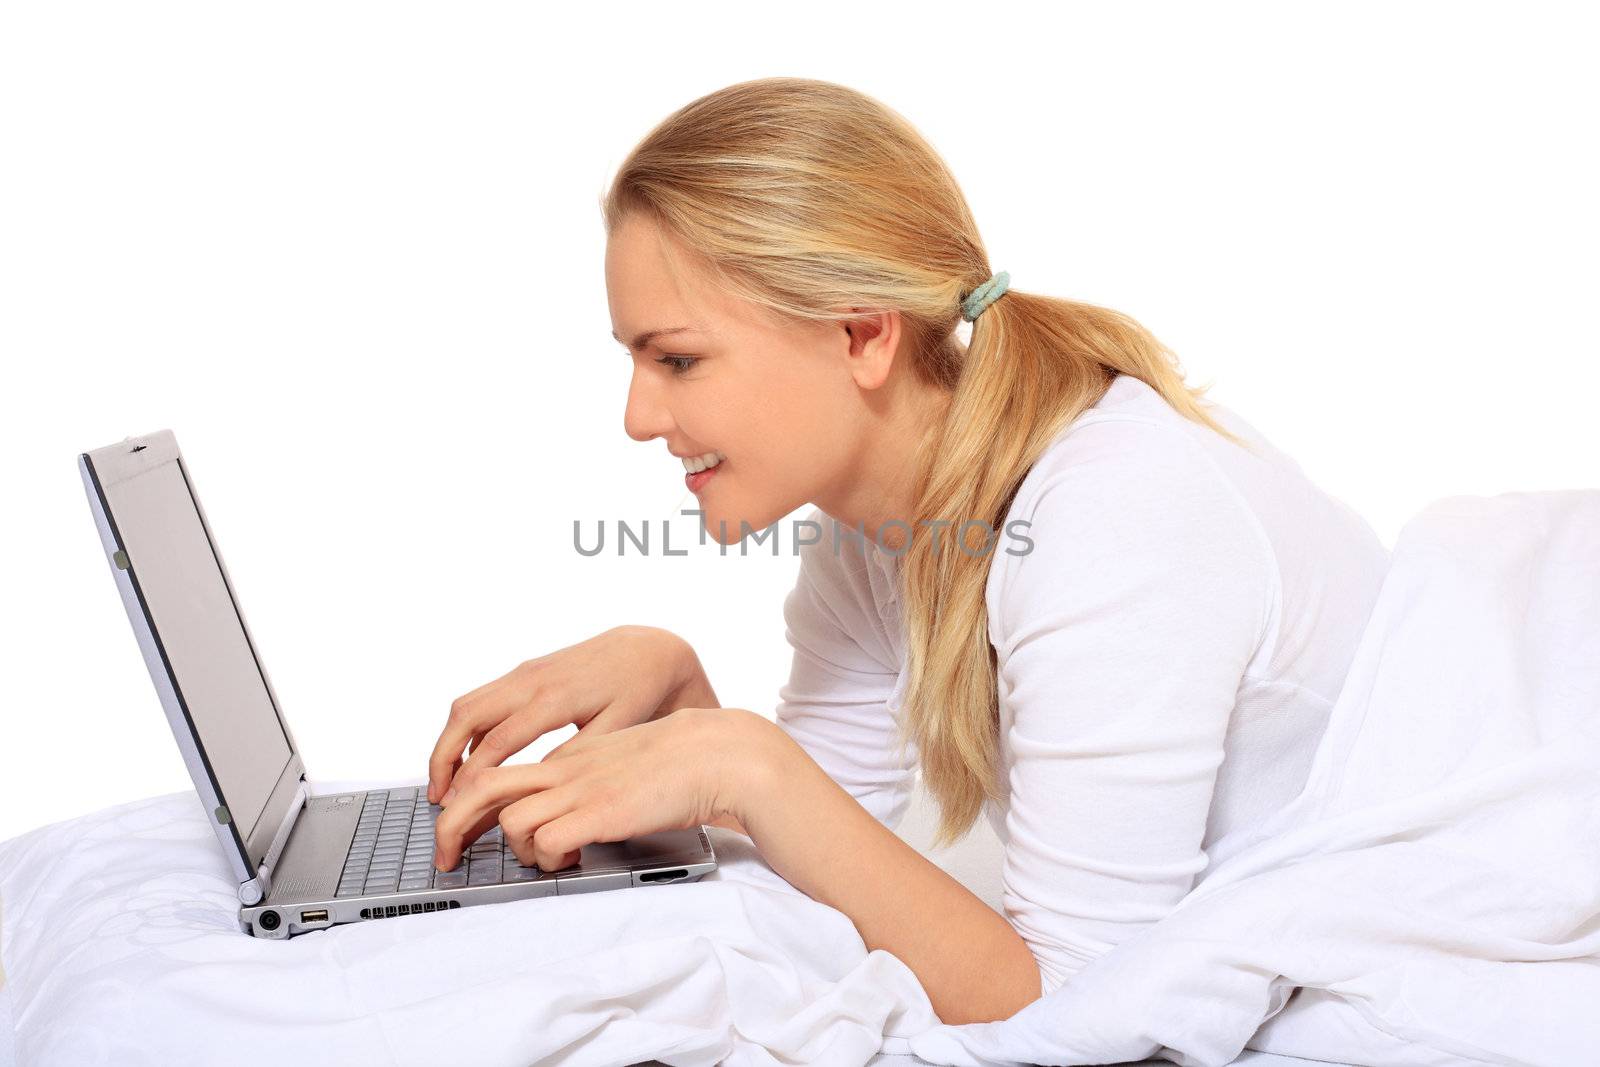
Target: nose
(645,417)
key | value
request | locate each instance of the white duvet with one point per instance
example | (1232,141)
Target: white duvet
(1433,897)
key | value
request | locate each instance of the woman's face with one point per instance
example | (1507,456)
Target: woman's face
(782,403)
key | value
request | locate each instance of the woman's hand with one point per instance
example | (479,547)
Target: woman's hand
(625,676)
(679,771)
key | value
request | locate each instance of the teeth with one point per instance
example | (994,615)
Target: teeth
(695,464)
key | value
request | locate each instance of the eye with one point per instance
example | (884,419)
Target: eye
(679,364)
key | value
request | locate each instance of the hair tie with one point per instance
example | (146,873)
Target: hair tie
(984,295)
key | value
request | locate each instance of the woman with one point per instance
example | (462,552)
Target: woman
(1128,687)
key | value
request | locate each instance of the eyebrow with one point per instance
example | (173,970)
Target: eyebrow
(650,335)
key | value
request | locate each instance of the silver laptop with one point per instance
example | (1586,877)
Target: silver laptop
(302,862)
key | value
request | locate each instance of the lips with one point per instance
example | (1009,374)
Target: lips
(697,479)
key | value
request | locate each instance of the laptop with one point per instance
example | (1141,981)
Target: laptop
(302,862)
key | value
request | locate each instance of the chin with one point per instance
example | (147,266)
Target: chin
(725,527)
(722,526)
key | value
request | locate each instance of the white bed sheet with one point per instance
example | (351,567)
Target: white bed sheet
(165,977)
(1432,898)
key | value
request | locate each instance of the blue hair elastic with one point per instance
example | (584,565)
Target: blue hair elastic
(984,295)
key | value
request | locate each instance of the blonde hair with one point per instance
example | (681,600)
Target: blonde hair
(809,198)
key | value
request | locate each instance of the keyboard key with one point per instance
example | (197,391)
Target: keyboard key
(417,881)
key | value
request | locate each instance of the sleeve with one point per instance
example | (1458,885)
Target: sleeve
(836,704)
(1123,637)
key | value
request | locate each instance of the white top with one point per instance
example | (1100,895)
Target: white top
(1168,652)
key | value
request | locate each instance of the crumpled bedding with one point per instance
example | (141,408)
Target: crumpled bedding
(1432,897)
(121,945)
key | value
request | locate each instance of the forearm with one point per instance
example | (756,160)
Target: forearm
(974,966)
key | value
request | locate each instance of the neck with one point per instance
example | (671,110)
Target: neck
(880,494)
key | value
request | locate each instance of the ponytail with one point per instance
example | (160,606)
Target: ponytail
(1034,364)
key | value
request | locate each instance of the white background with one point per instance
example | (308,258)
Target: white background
(352,256)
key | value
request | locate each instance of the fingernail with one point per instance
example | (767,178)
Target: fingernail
(449,795)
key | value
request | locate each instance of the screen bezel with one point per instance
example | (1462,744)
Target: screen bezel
(246,846)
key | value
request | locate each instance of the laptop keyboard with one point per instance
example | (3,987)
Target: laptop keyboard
(393,850)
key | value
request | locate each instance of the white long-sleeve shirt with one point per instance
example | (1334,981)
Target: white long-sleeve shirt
(1168,651)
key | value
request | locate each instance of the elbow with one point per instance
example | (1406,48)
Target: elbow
(1025,988)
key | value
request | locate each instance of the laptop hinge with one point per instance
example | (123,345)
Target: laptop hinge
(281,838)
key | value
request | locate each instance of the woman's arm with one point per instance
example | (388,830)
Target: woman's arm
(973,965)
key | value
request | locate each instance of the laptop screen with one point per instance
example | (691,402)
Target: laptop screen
(204,639)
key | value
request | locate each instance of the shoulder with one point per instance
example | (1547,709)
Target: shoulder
(1130,466)
(1124,502)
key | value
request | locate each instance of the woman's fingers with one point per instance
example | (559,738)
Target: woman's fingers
(471,717)
(476,809)
(528,834)
(442,762)
(608,682)
(494,744)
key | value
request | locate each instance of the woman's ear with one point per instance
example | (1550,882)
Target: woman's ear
(873,340)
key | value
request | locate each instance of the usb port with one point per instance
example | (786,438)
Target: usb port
(314,916)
